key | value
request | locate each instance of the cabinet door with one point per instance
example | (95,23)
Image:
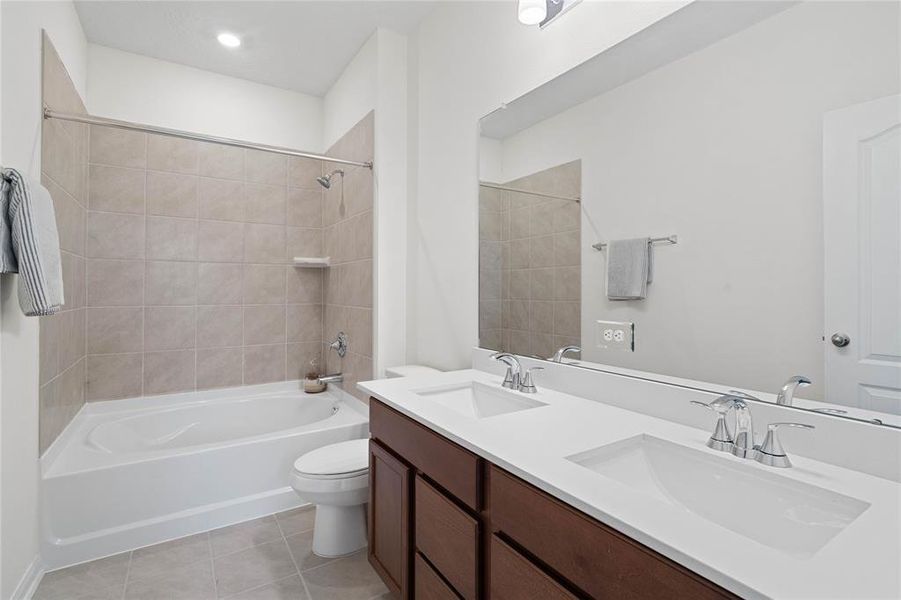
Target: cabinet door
(390,495)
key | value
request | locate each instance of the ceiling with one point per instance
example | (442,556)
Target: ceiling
(300,45)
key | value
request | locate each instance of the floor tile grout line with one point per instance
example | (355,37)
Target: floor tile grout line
(244,548)
(303,582)
(127,572)
(209,541)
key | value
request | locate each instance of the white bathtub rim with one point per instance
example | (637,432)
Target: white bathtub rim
(355,412)
(100,407)
(342,418)
(183,398)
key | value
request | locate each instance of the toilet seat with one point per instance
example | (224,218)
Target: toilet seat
(344,460)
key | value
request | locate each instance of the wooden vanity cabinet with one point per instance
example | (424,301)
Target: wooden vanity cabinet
(446,524)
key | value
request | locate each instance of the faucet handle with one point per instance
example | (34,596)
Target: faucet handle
(527,386)
(721,438)
(771,452)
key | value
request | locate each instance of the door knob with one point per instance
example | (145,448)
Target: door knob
(840,340)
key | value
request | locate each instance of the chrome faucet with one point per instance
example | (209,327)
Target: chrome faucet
(334,378)
(743,438)
(769,453)
(516,378)
(561,352)
(787,395)
(513,378)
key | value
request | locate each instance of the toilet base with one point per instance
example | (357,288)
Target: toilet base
(339,530)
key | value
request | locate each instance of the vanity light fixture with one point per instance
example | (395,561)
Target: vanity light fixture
(229,40)
(542,12)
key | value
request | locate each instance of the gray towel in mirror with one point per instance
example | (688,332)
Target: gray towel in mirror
(629,268)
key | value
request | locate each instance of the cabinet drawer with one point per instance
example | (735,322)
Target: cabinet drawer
(448,537)
(514,577)
(452,467)
(595,558)
(428,585)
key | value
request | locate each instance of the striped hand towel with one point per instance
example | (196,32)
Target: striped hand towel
(29,244)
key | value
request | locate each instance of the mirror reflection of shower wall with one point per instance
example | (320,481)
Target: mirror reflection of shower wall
(529,261)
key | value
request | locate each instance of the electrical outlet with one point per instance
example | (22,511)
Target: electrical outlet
(615,335)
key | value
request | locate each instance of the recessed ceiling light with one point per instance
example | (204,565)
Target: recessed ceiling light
(229,40)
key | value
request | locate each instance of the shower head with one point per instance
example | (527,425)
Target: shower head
(326,180)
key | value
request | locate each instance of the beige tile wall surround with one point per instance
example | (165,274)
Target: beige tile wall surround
(189,278)
(64,172)
(529,264)
(347,237)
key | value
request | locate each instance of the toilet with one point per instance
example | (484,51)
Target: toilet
(336,479)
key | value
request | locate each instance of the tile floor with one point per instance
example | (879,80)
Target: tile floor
(265,559)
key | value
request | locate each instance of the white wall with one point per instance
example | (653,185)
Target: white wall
(391,155)
(353,94)
(469,59)
(131,87)
(20,116)
(491,166)
(723,148)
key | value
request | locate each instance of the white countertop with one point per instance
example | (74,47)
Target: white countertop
(862,562)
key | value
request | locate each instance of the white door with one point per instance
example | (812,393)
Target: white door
(862,226)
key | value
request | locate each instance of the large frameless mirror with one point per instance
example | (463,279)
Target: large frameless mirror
(714,201)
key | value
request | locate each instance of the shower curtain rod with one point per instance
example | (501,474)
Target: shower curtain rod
(496,186)
(199,137)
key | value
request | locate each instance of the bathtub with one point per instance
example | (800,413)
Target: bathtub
(129,473)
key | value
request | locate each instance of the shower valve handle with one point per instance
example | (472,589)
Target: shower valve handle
(340,344)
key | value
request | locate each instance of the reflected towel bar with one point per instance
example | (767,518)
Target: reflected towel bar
(670,239)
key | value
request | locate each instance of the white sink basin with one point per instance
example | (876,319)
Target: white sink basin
(478,400)
(784,514)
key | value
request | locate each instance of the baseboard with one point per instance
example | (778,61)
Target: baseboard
(28,585)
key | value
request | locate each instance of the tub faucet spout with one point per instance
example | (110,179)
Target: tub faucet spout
(334,378)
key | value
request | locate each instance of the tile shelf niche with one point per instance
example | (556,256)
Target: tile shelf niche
(312,262)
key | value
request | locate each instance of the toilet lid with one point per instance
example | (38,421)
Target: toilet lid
(344,458)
